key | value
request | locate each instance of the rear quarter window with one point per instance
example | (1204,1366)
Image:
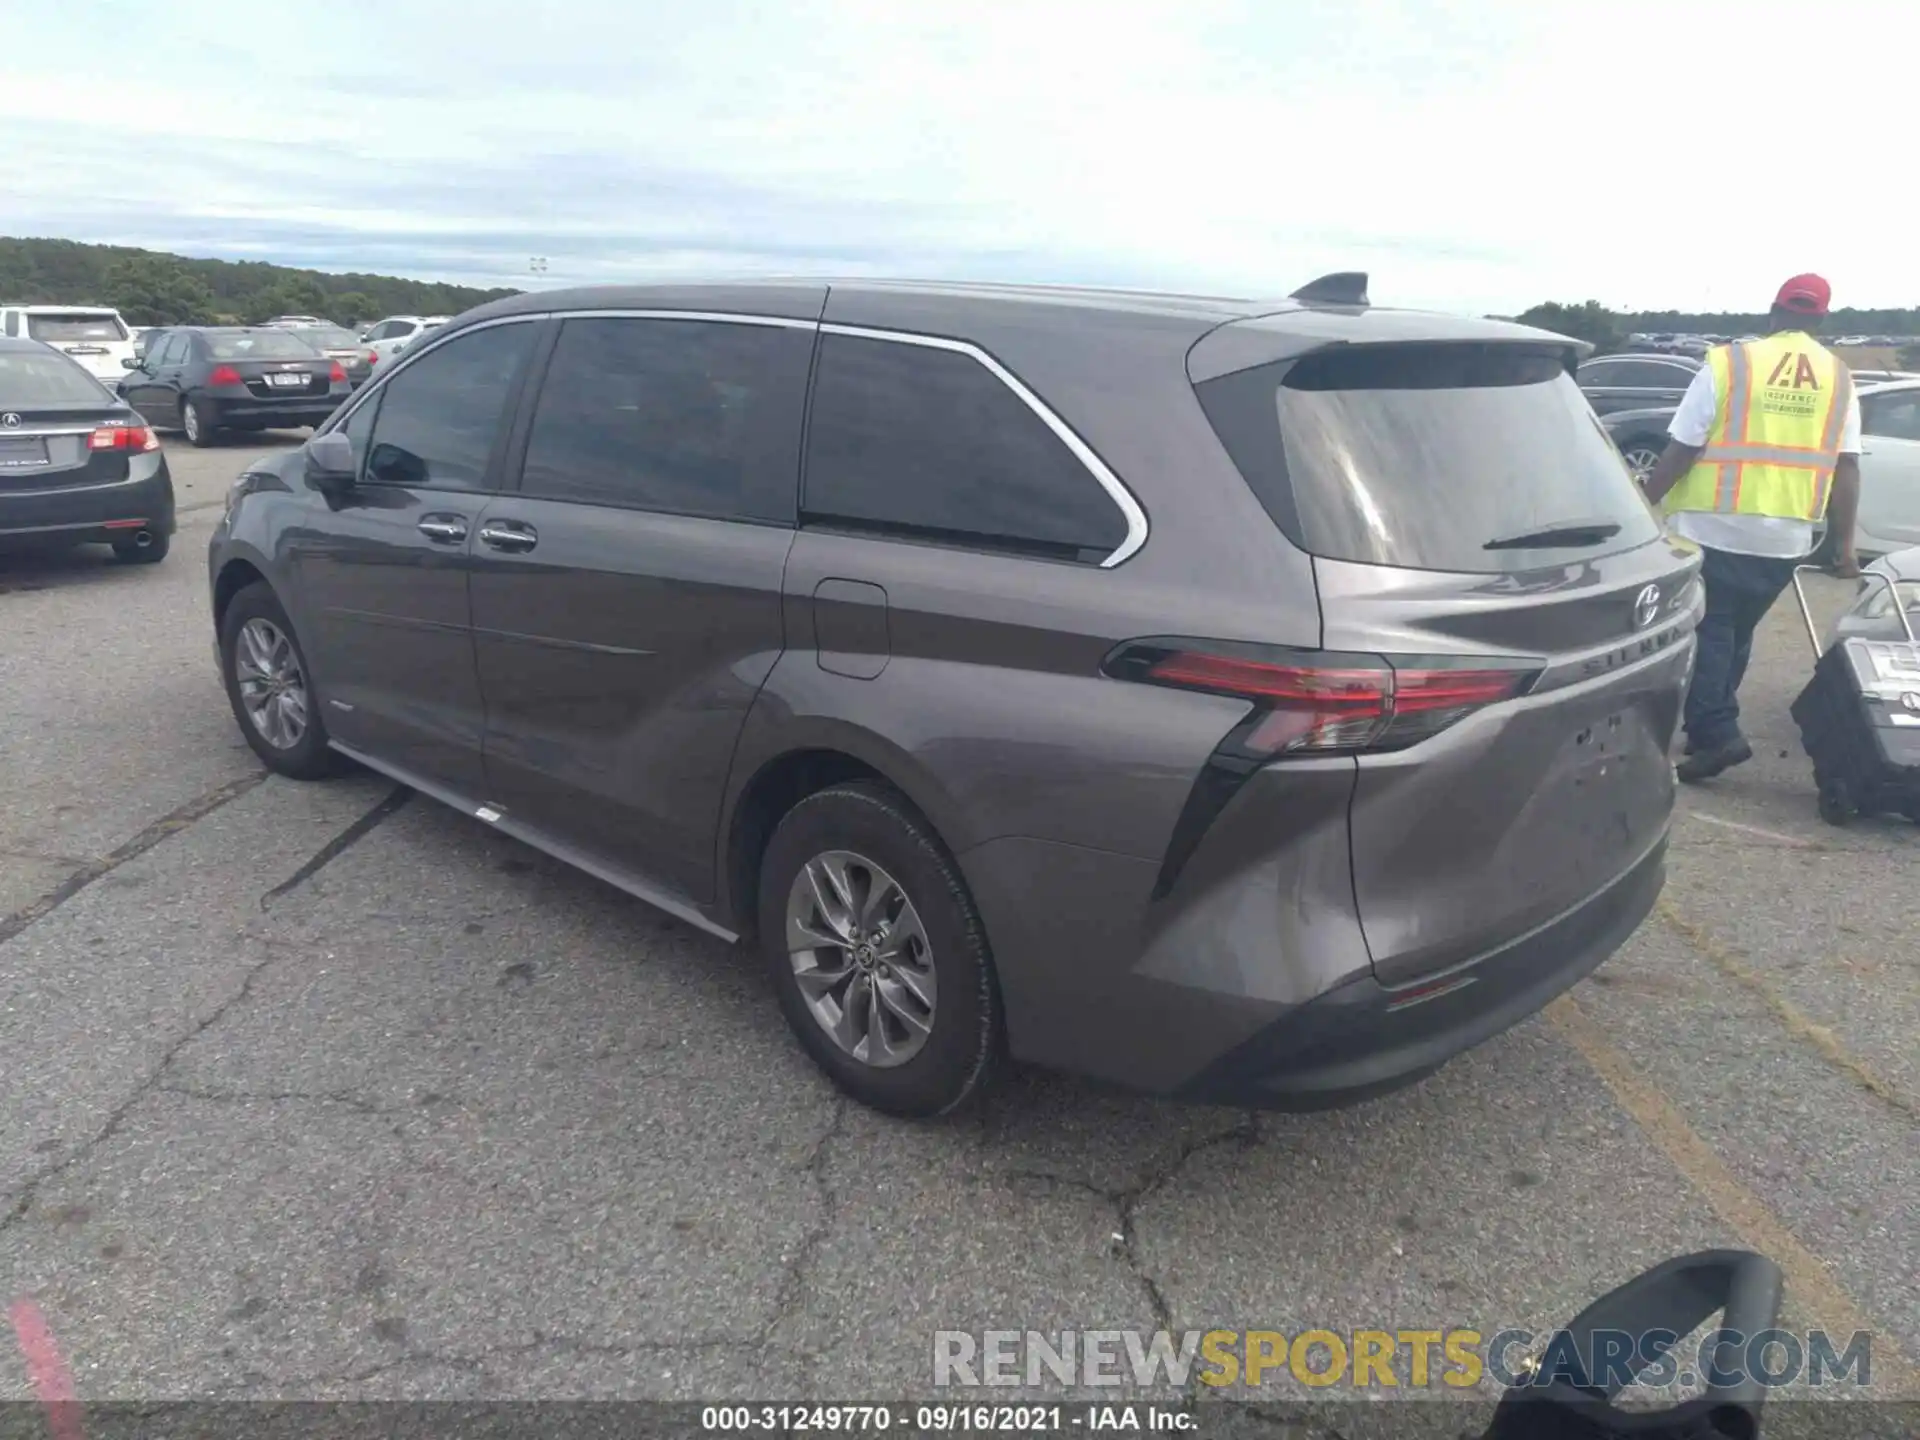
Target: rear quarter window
(928,444)
(1429,456)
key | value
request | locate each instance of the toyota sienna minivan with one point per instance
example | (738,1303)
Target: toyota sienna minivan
(1256,702)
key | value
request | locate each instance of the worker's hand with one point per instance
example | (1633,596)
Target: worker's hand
(1846,566)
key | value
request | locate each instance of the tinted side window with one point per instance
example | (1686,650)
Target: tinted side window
(929,442)
(688,416)
(439,416)
(175,351)
(1895,416)
(1600,373)
(13,322)
(1653,375)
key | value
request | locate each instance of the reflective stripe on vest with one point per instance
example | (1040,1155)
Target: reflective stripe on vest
(1792,479)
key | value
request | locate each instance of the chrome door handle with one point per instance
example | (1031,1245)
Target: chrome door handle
(514,537)
(444,529)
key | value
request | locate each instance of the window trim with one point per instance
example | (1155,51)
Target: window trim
(1122,498)
(1116,490)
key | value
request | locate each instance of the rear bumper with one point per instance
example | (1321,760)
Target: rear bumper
(1361,1039)
(96,514)
(241,412)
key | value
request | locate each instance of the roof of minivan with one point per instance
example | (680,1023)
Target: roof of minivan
(1261,329)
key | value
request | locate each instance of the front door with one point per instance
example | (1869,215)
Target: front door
(626,602)
(382,571)
(154,390)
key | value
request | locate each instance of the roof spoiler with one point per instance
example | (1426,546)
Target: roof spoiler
(1344,287)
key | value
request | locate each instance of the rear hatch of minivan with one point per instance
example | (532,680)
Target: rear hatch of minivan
(1474,530)
(96,340)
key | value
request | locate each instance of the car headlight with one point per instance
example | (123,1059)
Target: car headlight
(236,490)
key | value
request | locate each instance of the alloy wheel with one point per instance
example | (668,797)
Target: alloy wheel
(1641,460)
(861,958)
(272,686)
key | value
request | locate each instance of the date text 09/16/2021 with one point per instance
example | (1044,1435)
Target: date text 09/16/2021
(944,1419)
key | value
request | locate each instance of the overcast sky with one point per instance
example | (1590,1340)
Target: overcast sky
(1476,156)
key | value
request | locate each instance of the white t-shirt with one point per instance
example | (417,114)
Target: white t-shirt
(1767,535)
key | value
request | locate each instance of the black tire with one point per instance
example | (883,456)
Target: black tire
(309,757)
(963,1047)
(198,425)
(1836,802)
(131,552)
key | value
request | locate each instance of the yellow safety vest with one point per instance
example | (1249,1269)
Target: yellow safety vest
(1776,433)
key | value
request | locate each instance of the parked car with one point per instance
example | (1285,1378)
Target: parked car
(1634,382)
(77,465)
(1871,615)
(338,343)
(1216,699)
(93,335)
(296,322)
(1889,517)
(390,336)
(205,380)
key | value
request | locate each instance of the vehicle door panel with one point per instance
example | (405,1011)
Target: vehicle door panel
(622,635)
(1890,488)
(618,659)
(383,569)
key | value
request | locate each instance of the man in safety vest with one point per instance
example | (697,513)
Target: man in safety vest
(1765,446)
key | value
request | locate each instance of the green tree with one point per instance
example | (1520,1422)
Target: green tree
(297,295)
(156,290)
(1591,322)
(351,308)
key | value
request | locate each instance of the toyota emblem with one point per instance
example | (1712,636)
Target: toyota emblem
(1646,607)
(10,420)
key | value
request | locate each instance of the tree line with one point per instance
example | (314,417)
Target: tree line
(1608,329)
(150,287)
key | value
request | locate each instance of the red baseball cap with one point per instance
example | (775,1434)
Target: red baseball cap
(1804,295)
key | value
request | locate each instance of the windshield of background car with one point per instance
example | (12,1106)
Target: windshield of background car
(260,345)
(329,339)
(1421,455)
(30,380)
(73,328)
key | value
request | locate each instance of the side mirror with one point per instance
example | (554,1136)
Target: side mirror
(330,463)
(135,364)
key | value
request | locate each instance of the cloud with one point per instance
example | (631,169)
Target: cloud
(1478,155)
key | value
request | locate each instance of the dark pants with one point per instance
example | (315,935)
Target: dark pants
(1740,591)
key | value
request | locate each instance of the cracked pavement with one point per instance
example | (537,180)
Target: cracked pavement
(322,1091)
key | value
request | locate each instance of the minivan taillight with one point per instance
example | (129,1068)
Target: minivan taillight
(337,373)
(1315,702)
(224,375)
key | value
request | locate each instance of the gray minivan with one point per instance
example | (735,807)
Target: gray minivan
(1247,701)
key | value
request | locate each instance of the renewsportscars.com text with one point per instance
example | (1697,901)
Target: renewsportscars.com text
(1390,1359)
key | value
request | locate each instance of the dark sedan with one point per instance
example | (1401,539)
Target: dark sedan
(1634,382)
(77,465)
(338,344)
(205,380)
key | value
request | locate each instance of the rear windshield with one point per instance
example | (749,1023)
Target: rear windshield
(330,339)
(66,329)
(39,380)
(1461,457)
(260,345)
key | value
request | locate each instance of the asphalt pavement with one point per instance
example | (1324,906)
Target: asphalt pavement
(327,1091)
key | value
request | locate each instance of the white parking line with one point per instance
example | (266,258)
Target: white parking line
(1760,830)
